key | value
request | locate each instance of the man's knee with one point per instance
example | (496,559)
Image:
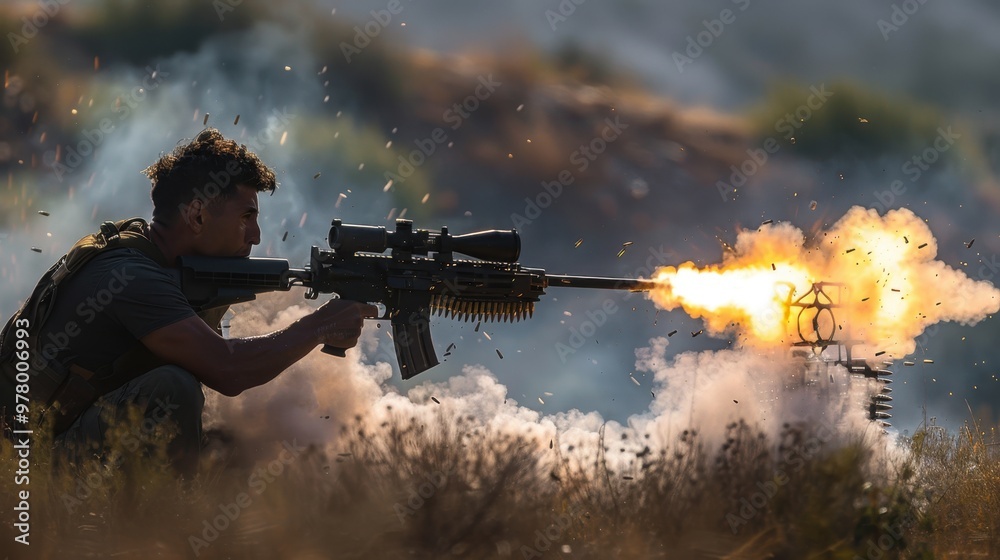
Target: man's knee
(175,388)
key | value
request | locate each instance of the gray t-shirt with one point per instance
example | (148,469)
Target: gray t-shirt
(101,312)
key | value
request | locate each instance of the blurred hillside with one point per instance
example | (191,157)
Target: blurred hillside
(656,162)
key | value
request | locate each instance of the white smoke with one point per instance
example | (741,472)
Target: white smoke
(705,391)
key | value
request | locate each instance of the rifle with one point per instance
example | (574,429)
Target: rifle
(419,277)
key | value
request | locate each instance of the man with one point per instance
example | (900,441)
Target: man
(204,203)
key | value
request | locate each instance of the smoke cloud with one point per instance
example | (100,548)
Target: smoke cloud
(893,286)
(315,399)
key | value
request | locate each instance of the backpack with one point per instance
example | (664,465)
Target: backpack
(66,392)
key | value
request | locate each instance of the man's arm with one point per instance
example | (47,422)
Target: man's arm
(232,366)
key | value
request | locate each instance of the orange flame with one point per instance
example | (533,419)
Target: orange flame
(894,286)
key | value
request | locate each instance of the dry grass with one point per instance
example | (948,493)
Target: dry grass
(459,489)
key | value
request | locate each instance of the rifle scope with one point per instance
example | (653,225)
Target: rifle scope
(491,245)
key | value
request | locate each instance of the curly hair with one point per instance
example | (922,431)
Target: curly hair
(209,167)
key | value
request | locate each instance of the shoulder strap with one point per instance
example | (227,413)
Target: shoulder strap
(132,233)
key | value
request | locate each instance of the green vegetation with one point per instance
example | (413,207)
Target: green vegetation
(853,122)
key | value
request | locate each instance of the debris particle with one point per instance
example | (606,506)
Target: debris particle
(928,361)
(36,249)
(921,246)
(812,205)
(237,121)
(765,222)
(550,444)
(671,333)
(626,244)
(907,363)
(694,334)
(862,120)
(316,176)
(634,380)
(435,400)
(849,250)
(540,400)
(284,237)
(864,299)
(623,478)
(387,186)
(905,239)
(501,355)
(652,393)
(894,289)
(205,120)
(772,267)
(969,244)
(736,401)
(879,353)
(425,198)
(43,212)
(622,252)
(477,326)
(450,346)
(487,335)
(578,242)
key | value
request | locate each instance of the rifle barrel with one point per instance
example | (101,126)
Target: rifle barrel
(600,283)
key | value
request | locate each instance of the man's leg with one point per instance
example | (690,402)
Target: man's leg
(166,397)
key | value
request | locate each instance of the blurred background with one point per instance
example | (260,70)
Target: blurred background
(646,120)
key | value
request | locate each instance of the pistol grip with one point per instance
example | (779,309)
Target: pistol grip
(334,350)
